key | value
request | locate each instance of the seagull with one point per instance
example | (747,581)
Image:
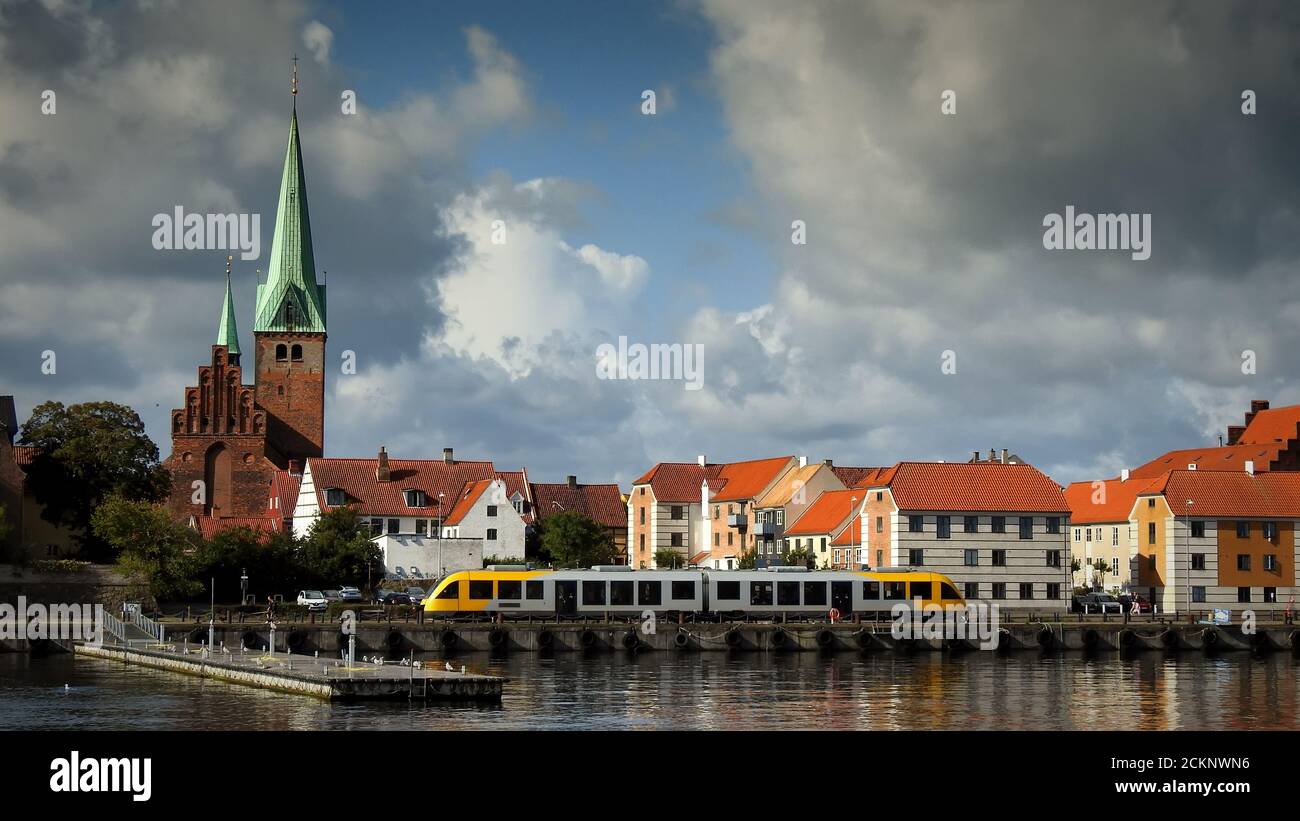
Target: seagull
(450,669)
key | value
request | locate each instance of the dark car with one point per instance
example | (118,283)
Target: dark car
(387,597)
(1143,606)
(1096,603)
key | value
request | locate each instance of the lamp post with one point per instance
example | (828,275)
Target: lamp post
(1188,540)
(440,518)
(853,503)
(243,586)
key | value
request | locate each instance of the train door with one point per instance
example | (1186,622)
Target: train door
(842,597)
(566,598)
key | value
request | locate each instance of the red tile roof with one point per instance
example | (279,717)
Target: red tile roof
(356,477)
(209,526)
(1219,493)
(284,493)
(466,500)
(1229,457)
(850,535)
(974,486)
(679,481)
(517,482)
(1274,426)
(1113,505)
(854,477)
(745,480)
(600,503)
(827,512)
(24,454)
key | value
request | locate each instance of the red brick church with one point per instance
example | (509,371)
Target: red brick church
(237,449)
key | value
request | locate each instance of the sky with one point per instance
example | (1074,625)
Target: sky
(918,146)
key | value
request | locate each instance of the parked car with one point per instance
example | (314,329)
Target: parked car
(332,595)
(417,594)
(313,600)
(350,594)
(1096,603)
(1143,606)
(392,597)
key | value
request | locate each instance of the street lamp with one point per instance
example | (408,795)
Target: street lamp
(440,518)
(853,502)
(1188,511)
(243,586)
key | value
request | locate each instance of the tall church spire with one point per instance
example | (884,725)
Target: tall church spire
(290,299)
(227,332)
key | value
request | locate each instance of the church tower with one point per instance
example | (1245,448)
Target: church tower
(289,323)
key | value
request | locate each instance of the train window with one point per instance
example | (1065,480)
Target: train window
(947,591)
(787,593)
(814,593)
(451,591)
(683,590)
(871,591)
(593,592)
(535,590)
(620,593)
(651,593)
(510,590)
(760,592)
(728,591)
(921,590)
(895,591)
(480,590)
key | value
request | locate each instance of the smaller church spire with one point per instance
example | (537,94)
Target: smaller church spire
(227,332)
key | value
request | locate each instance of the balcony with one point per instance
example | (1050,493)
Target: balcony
(738,520)
(766,528)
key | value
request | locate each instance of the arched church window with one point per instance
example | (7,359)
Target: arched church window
(281,352)
(296,353)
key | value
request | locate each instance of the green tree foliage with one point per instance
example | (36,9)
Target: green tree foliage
(85,454)
(338,550)
(667,558)
(746,560)
(799,557)
(152,548)
(574,540)
(270,559)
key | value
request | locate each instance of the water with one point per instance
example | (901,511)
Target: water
(703,691)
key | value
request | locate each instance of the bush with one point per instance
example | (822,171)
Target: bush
(61,566)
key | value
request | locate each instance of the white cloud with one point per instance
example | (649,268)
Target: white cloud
(319,39)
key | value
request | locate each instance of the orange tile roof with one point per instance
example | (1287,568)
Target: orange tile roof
(982,486)
(466,500)
(24,454)
(1229,457)
(1116,503)
(1273,426)
(1220,493)
(209,526)
(679,481)
(850,535)
(854,477)
(745,480)
(827,512)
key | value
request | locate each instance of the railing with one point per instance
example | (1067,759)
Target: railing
(148,625)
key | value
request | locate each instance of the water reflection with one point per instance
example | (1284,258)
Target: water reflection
(711,691)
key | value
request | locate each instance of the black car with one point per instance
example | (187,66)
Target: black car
(387,597)
(1096,603)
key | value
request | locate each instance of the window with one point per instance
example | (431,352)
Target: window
(394,525)
(1270,531)
(281,353)
(512,590)
(1243,561)
(731,537)
(915,524)
(916,557)
(535,590)
(971,524)
(642,515)
(676,512)
(1198,594)
(1270,562)
(1198,561)
(295,353)
(1088,534)
(1243,530)
(492,510)
(880,558)
(998,524)
(880,524)
(922,590)
(335,497)
(1114,537)
(642,491)
(421,527)
(1053,590)
(376,527)
(999,590)
(1026,527)
(593,593)
(518,505)
(1114,565)
(823,544)
(1151,532)
(416,498)
(717,511)
(650,593)
(760,593)
(492,534)
(480,589)
(717,539)
(684,590)
(972,557)
(895,591)
(675,539)
(972,590)
(728,591)
(1026,590)
(871,591)
(999,558)
(838,555)
(1243,595)
(620,593)
(1198,530)
(1053,558)
(451,591)
(1054,525)
(787,593)
(814,593)
(943,527)
(1151,502)
(1270,595)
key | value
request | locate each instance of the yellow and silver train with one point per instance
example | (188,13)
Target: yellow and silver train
(617,589)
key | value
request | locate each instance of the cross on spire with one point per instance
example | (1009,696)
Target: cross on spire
(293,84)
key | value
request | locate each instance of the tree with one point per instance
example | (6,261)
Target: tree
(574,540)
(270,559)
(798,557)
(667,558)
(152,547)
(338,550)
(746,560)
(85,454)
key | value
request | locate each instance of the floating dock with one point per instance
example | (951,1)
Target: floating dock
(328,678)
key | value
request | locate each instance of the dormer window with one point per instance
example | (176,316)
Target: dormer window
(290,314)
(416,498)
(335,497)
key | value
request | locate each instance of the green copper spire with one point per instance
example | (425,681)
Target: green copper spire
(227,333)
(290,299)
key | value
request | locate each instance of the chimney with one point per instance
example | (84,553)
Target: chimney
(1235,432)
(1257,405)
(295,467)
(1004,456)
(573,482)
(702,460)
(447,457)
(803,461)
(830,463)
(1123,475)
(381,469)
(1250,467)
(974,455)
(993,455)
